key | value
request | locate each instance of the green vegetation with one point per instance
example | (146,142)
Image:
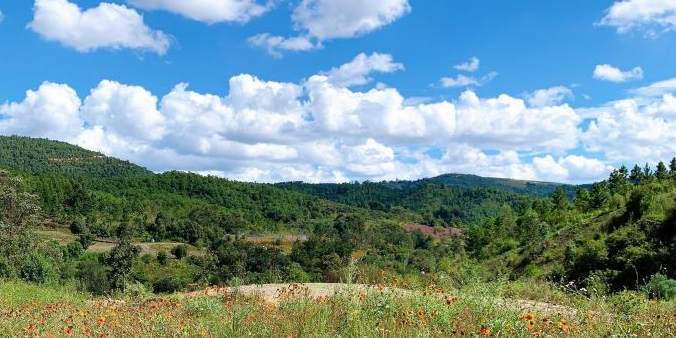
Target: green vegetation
(105,227)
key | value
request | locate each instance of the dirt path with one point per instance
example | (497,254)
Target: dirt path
(274,293)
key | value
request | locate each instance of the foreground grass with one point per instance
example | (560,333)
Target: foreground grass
(475,311)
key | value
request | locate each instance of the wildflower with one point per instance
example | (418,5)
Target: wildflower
(528,317)
(546,321)
(484,331)
(102,320)
(361,296)
(653,302)
(68,332)
(252,316)
(563,324)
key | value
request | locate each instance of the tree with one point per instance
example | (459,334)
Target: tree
(619,182)
(180,251)
(560,200)
(18,213)
(582,199)
(121,260)
(672,167)
(162,257)
(599,194)
(636,174)
(647,172)
(662,173)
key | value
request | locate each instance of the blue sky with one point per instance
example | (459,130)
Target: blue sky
(411,111)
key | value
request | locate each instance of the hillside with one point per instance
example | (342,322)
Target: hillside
(434,201)
(40,156)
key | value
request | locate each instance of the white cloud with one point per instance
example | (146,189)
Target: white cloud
(330,19)
(322,20)
(276,44)
(472,65)
(651,16)
(656,89)
(319,130)
(549,97)
(467,81)
(209,11)
(356,72)
(52,111)
(105,26)
(128,111)
(631,131)
(610,73)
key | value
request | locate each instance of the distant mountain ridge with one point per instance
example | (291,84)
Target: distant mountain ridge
(537,188)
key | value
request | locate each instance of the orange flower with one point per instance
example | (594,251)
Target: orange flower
(102,320)
(361,296)
(528,317)
(68,332)
(252,316)
(484,331)
(564,325)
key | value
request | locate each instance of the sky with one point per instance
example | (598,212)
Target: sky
(347,90)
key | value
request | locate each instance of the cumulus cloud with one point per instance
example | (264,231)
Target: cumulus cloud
(52,111)
(650,16)
(209,11)
(357,71)
(472,65)
(629,130)
(323,20)
(128,111)
(330,19)
(321,130)
(549,97)
(467,81)
(606,72)
(91,29)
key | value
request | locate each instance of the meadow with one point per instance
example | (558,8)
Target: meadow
(389,309)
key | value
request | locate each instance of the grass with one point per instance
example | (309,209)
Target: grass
(63,237)
(477,310)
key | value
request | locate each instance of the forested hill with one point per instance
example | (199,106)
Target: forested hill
(435,202)
(25,155)
(518,186)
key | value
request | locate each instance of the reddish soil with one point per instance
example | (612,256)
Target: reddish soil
(430,231)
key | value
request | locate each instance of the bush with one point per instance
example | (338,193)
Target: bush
(162,257)
(167,285)
(661,287)
(78,227)
(180,251)
(6,270)
(37,269)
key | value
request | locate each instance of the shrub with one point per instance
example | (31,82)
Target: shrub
(78,227)
(167,285)
(661,287)
(162,257)
(180,251)
(37,269)
(6,270)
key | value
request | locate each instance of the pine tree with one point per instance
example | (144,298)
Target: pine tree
(560,200)
(662,172)
(636,174)
(672,167)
